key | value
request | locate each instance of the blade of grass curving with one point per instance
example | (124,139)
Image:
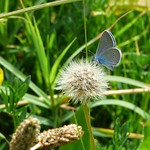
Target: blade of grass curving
(123,104)
(127,81)
(50,4)
(35,100)
(22,77)
(57,62)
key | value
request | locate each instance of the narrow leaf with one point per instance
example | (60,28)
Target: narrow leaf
(122,104)
(57,62)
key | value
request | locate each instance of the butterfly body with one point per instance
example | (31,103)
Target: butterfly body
(107,54)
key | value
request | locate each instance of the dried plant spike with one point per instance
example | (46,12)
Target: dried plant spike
(60,136)
(25,135)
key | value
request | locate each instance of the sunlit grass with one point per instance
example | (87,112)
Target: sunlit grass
(40,39)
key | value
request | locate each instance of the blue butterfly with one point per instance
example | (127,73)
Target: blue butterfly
(106,53)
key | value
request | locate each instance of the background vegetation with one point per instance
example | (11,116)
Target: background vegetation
(40,42)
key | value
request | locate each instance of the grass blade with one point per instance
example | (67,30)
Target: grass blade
(123,104)
(57,62)
(127,81)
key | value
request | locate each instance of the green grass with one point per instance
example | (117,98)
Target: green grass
(40,39)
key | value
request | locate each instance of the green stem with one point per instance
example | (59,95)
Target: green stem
(86,110)
(85,32)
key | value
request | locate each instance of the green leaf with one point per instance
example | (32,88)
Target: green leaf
(145,145)
(22,89)
(40,52)
(34,35)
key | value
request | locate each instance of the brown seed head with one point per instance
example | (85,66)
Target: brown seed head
(25,135)
(60,136)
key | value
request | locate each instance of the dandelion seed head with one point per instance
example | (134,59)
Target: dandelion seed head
(82,80)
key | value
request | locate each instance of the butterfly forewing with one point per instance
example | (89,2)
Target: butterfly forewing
(107,41)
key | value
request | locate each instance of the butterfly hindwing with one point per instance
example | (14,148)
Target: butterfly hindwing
(110,58)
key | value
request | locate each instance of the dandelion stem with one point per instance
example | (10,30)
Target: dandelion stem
(86,110)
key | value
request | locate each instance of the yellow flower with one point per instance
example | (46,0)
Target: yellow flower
(1,76)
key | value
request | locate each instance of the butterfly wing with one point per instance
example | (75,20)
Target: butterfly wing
(110,57)
(107,41)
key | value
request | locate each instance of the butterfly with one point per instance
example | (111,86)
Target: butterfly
(107,54)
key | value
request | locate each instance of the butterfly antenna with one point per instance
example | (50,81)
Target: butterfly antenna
(91,52)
